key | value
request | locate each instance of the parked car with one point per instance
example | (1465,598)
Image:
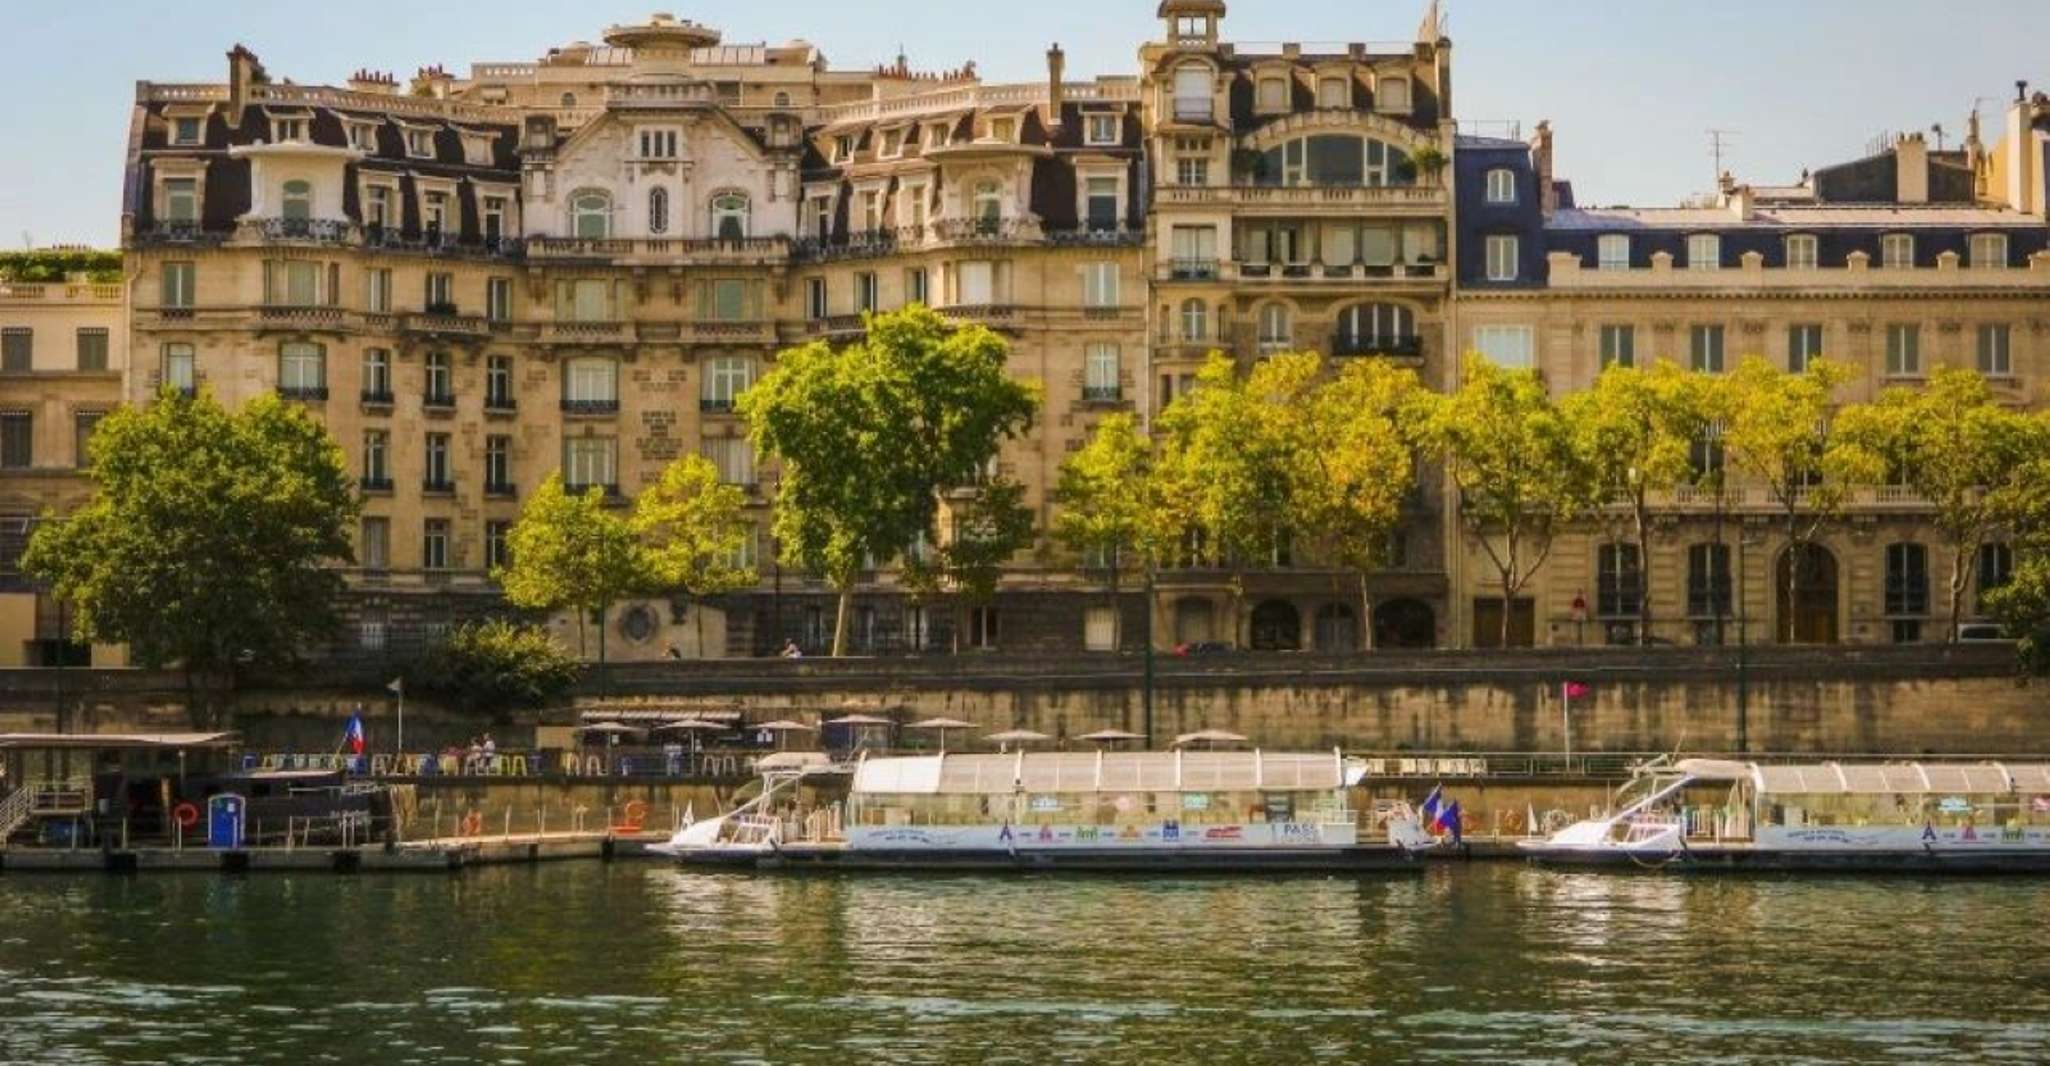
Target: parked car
(1982,633)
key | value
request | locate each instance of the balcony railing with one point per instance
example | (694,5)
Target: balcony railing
(437,485)
(442,400)
(187,232)
(1181,269)
(573,332)
(300,315)
(445,323)
(985,231)
(313,393)
(580,488)
(312,230)
(1096,237)
(499,489)
(661,249)
(1102,394)
(715,404)
(375,483)
(590,407)
(1389,347)
(500,405)
(377,397)
(1350,197)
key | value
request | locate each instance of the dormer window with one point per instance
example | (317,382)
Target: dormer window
(1613,251)
(363,136)
(1803,251)
(477,149)
(1989,251)
(843,148)
(1501,186)
(434,212)
(288,130)
(188,130)
(297,202)
(1194,93)
(1392,96)
(1897,251)
(590,215)
(937,135)
(1003,129)
(989,204)
(729,216)
(658,144)
(821,217)
(1102,129)
(1273,94)
(893,144)
(1704,252)
(377,203)
(1334,94)
(420,143)
(782,99)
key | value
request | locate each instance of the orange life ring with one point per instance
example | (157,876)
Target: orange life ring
(473,824)
(186,814)
(636,815)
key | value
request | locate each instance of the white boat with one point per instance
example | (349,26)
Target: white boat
(1713,814)
(1183,810)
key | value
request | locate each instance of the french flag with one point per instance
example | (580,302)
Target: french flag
(1434,804)
(1448,821)
(352,735)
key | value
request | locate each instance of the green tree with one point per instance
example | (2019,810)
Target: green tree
(991,524)
(573,552)
(692,528)
(1104,502)
(1511,456)
(1955,445)
(497,666)
(1781,433)
(1355,468)
(1227,464)
(1636,431)
(867,436)
(210,538)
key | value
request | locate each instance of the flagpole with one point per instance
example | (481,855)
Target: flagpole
(1566,715)
(402,717)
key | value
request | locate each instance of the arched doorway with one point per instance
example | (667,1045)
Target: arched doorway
(1337,629)
(1277,626)
(1812,617)
(1400,624)
(1194,621)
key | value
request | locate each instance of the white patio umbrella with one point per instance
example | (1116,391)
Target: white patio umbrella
(859,722)
(693,726)
(940,726)
(1110,736)
(1208,736)
(782,728)
(1008,737)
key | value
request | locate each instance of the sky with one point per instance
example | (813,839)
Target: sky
(1631,87)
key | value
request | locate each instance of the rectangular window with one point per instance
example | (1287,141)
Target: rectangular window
(1195,251)
(1903,350)
(1708,581)
(977,283)
(1704,252)
(435,476)
(871,210)
(726,377)
(1507,346)
(83,423)
(498,383)
(497,534)
(420,143)
(866,294)
(376,459)
(1100,211)
(915,286)
(822,217)
(1193,93)
(912,214)
(1100,372)
(588,462)
(1103,129)
(494,219)
(497,463)
(591,381)
(1501,186)
(1897,251)
(1993,351)
(815,302)
(1907,579)
(440,295)
(1705,453)
(725,300)
(181,371)
(1614,252)
(1619,581)
(1706,349)
(302,370)
(1192,170)
(440,380)
(181,201)
(1989,251)
(1619,346)
(377,375)
(363,136)
(377,211)
(1502,256)
(92,348)
(434,214)
(1996,569)
(734,457)
(179,280)
(1804,346)
(434,544)
(295,283)
(1803,252)
(187,130)
(982,627)
(376,544)
(17,350)
(17,440)
(1100,284)
(377,290)
(498,299)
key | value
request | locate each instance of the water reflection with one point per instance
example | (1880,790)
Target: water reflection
(641,962)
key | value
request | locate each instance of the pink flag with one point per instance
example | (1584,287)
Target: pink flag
(1576,690)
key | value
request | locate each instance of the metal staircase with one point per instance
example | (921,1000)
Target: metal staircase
(15,811)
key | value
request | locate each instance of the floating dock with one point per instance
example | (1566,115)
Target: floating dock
(420,856)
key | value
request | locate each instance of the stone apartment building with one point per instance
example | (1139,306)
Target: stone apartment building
(576,264)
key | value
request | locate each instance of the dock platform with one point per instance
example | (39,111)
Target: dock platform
(418,856)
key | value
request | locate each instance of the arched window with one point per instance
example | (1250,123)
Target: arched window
(1375,329)
(658,211)
(298,201)
(569,99)
(782,99)
(1334,159)
(590,213)
(729,216)
(1195,320)
(1277,328)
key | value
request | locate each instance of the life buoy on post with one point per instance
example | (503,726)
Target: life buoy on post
(186,814)
(473,824)
(636,817)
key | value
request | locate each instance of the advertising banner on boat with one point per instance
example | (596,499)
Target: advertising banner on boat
(1900,838)
(1170,834)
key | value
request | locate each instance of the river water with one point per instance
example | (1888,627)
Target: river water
(643,963)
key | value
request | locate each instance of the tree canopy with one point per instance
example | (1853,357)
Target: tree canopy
(867,436)
(496,666)
(572,552)
(2023,604)
(211,539)
(1355,469)
(693,528)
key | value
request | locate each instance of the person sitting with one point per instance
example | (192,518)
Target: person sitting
(791,650)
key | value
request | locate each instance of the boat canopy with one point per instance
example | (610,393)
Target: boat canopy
(1869,779)
(1104,771)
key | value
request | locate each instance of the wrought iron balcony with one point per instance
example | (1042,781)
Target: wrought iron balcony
(590,407)
(441,486)
(438,399)
(375,483)
(314,393)
(1096,237)
(1181,269)
(498,404)
(314,230)
(1102,394)
(499,489)
(1348,344)
(377,397)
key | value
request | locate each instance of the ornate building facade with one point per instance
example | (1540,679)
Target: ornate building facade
(576,264)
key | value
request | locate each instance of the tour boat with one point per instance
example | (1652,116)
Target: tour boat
(1176,811)
(1712,814)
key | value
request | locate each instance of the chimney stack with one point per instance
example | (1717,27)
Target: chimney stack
(1911,169)
(244,71)
(1541,161)
(1056,71)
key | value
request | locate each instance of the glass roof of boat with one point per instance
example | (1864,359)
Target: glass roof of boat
(1110,771)
(1902,778)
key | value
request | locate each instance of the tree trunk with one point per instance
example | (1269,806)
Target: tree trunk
(1643,573)
(1958,575)
(1117,616)
(1508,609)
(1366,640)
(1791,619)
(846,605)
